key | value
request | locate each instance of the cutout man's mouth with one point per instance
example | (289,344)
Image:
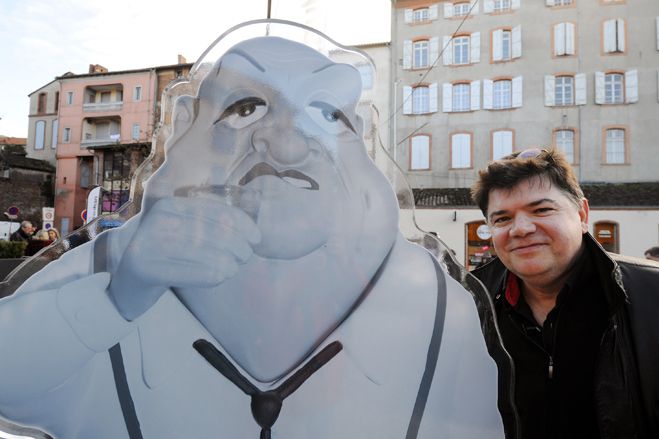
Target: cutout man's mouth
(291,176)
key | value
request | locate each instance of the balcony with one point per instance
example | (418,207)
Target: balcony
(107,97)
(103,106)
(92,142)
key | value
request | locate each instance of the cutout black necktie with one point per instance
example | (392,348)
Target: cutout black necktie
(266,405)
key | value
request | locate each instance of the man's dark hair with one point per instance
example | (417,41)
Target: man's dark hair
(652,251)
(540,164)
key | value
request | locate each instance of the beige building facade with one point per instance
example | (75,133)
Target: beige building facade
(476,80)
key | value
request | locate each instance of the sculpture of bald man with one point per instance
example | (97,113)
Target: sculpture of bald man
(263,291)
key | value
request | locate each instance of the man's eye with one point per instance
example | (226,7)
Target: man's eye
(500,220)
(327,116)
(543,210)
(243,112)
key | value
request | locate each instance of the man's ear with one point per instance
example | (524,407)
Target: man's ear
(583,215)
(183,116)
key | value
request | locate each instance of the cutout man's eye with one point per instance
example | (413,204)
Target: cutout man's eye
(243,112)
(330,118)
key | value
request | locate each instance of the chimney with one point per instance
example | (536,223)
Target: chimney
(181,59)
(97,68)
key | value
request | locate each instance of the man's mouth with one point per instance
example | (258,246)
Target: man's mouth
(291,176)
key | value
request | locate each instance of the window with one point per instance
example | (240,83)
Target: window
(69,98)
(501,5)
(506,44)
(461,96)
(502,144)
(564,142)
(420,99)
(564,90)
(614,36)
(613,88)
(56,101)
(41,103)
(559,2)
(420,152)
(462,49)
(85,173)
(420,54)
(40,134)
(616,87)
(615,146)
(502,96)
(66,135)
(502,93)
(460,151)
(136,131)
(137,93)
(421,15)
(564,39)
(53,143)
(461,9)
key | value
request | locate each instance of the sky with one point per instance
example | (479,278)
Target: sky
(42,39)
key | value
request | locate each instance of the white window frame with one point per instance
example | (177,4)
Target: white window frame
(422,49)
(136,131)
(40,134)
(614,88)
(420,152)
(137,93)
(499,6)
(66,135)
(564,90)
(502,143)
(502,94)
(461,102)
(53,139)
(420,15)
(461,9)
(506,44)
(461,151)
(615,152)
(69,98)
(461,46)
(421,99)
(565,143)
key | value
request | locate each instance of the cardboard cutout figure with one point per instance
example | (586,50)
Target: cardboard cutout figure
(264,289)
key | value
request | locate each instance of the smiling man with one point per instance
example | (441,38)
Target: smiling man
(264,290)
(579,323)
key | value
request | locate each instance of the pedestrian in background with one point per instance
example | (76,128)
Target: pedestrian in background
(579,323)
(24,233)
(652,254)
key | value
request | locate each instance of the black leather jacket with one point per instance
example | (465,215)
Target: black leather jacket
(627,382)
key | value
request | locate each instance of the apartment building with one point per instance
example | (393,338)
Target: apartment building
(103,126)
(478,79)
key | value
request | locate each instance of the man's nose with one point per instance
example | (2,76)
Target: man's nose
(286,145)
(522,225)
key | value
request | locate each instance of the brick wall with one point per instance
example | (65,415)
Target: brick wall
(27,190)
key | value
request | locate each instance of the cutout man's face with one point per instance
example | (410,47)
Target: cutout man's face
(279,118)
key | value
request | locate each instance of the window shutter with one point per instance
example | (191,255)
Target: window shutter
(409,16)
(518,86)
(610,36)
(599,87)
(448,10)
(497,43)
(487,94)
(53,142)
(488,7)
(515,4)
(475,89)
(517,41)
(407,99)
(407,54)
(550,88)
(657,26)
(559,39)
(580,90)
(433,92)
(475,46)
(447,47)
(569,39)
(473,7)
(433,12)
(631,86)
(620,42)
(550,2)
(434,50)
(447,97)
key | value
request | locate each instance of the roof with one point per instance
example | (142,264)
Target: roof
(4,140)
(15,158)
(124,72)
(599,195)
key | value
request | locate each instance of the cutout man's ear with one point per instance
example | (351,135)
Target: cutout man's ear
(183,115)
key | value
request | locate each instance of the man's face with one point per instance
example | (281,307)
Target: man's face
(537,230)
(27,228)
(279,118)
